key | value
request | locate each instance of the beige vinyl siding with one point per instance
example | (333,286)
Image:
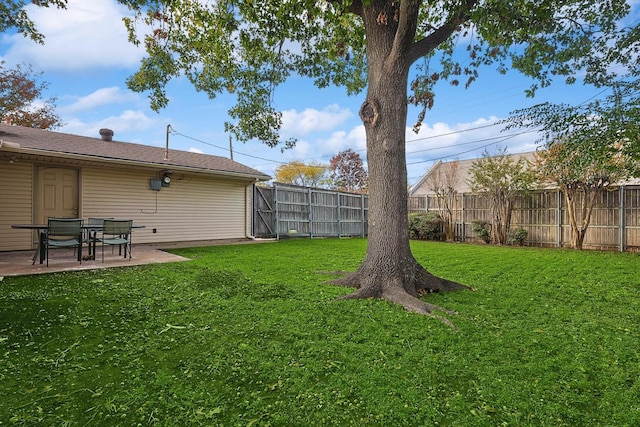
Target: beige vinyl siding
(16,184)
(193,207)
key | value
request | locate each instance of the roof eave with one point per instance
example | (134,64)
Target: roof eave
(13,147)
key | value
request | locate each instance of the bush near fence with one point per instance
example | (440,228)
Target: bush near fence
(615,222)
(425,226)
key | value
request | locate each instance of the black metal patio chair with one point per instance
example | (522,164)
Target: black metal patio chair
(117,232)
(63,233)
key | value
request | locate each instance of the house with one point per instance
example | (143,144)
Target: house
(460,176)
(176,195)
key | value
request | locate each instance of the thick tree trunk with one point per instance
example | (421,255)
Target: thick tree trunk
(389,270)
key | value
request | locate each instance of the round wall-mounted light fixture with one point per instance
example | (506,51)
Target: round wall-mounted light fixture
(166,178)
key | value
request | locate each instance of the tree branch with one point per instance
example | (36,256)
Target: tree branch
(355,7)
(407,24)
(438,36)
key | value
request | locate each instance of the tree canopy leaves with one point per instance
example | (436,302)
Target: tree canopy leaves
(590,134)
(248,48)
(13,16)
(348,172)
(300,173)
(20,93)
(501,179)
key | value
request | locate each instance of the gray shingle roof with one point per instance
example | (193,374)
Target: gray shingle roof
(45,142)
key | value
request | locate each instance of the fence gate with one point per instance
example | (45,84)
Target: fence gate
(292,211)
(264,218)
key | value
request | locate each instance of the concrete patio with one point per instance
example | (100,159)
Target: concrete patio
(18,263)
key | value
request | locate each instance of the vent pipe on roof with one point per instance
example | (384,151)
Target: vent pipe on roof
(106,134)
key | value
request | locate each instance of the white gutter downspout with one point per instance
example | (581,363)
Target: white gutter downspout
(248,228)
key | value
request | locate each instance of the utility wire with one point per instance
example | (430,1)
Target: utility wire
(174,132)
(501,139)
(457,132)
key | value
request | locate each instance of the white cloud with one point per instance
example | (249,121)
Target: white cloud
(355,140)
(99,98)
(128,121)
(195,150)
(87,35)
(296,124)
(303,151)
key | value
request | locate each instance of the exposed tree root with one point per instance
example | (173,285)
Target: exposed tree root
(402,289)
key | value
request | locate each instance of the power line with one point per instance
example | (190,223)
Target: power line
(175,132)
(453,132)
(455,145)
(456,132)
(476,148)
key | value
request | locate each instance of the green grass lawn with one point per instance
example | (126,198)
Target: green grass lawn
(250,335)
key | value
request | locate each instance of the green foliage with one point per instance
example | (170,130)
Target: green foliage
(425,226)
(13,16)
(597,138)
(588,147)
(481,229)
(501,179)
(247,49)
(517,236)
(252,335)
(500,174)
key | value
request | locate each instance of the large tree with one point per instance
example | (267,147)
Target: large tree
(20,99)
(300,173)
(248,48)
(588,147)
(348,172)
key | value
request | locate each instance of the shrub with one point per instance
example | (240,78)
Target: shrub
(482,229)
(425,226)
(517,236)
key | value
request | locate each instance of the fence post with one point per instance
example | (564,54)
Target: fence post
(362,213)
(310,213)
(275,191)
(464,219)
(559,218)
(623,231)
(338,214)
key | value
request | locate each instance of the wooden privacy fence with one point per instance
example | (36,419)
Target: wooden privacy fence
(291,211)
(614,225)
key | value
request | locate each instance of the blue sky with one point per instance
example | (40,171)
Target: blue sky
(86,59)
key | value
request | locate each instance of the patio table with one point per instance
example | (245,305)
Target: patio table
(40,249)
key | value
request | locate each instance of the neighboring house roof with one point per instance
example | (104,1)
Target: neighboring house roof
(38,142)
(463,176)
